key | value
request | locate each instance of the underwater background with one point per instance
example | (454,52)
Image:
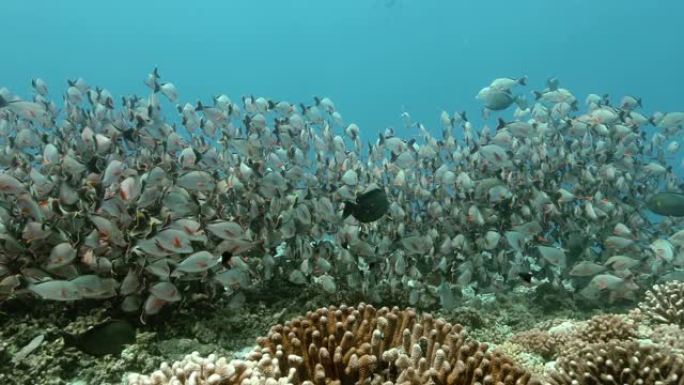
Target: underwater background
(394,68)
(375,58)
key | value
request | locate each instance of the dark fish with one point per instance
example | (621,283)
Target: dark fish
(106,338)
(667,204)
(526,277)
(368,207)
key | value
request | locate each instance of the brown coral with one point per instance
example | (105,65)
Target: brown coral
(353,346)
(606,327)
(664,303)
(618,362)
(347,345)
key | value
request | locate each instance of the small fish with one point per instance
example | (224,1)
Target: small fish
(56,290)
(28,110)
(109,337)
(166,291)
(10,185)
(586,269)
(198,262)
(553,255)
(496,100)
(505,84)
(368,207)
(40,86)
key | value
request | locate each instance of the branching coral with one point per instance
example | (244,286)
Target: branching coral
(600,328)
(537,341)
(606,327)
(664,303)
(671,336)
(618,362)
(353,345)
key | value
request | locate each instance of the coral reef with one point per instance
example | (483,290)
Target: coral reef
(538,341)
(206,327)
(618,362)
(572,337)
(606,327)
(50,363)
(529,360)
(664,303)
(669,335)
(349,345)
(195,369)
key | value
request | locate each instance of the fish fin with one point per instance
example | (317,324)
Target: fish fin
(3,102)
(523,80)
(501,124)
(537,95)
(349,208)
(463,116)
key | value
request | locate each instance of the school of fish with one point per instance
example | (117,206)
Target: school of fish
(114,198)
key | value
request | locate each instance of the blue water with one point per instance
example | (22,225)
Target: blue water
(374,58)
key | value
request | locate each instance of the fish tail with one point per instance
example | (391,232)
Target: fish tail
(349,208)
(463,116)
(3,102)
(501,124)
(537,95)
(523,80)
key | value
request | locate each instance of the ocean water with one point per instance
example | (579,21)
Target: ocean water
(374,58)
